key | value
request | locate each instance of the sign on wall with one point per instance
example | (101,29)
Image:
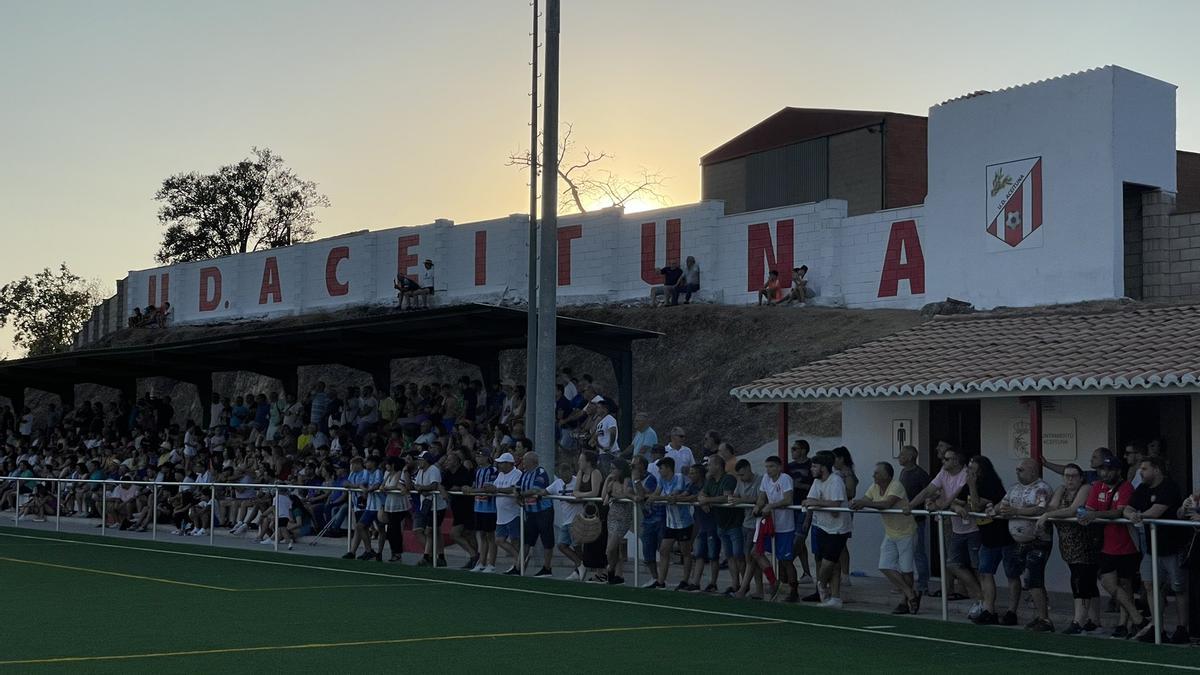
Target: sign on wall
(1058,439)
(1014,201)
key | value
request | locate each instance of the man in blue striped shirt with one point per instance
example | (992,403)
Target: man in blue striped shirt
(672,489)
(539,510)
(485,511)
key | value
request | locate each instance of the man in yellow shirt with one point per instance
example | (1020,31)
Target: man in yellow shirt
(388,407)
(900,531)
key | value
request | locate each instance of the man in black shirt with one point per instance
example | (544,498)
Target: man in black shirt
(1158,497)
(671,276)
(914,479)
(800,470)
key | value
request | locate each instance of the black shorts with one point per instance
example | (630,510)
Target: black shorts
(678,533)
(540,525)
(830,545)
(1126,566)
(283,523)
(485,522)
(463,517)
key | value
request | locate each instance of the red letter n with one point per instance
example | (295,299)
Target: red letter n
(761,256)
(903,260)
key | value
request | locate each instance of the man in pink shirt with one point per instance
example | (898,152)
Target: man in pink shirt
(962,553)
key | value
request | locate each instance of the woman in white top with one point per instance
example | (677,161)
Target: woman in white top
(843,465)
(395,506)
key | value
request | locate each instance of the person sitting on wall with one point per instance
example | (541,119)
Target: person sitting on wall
(688,284)
(672,275)
(136,319)
(404,287)
(426,287)
(161,316)
(799,291)
(770,290)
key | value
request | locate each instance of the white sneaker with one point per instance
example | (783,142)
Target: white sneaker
(832,603)
(291,544)
(573,576)
(199,532)
(649,584)
(266,542)
(490,569)
(177,533)
(477,568)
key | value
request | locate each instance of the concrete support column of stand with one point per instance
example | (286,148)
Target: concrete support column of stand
(204,392)
(488,364)
(622,363)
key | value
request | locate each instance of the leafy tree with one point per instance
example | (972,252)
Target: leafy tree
(584,182)
(256,204)
(47,309)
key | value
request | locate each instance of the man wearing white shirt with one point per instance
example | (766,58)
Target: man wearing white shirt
(607,444)
(831,529)
(508,511)
(426,286)
(774,498)
(679,452)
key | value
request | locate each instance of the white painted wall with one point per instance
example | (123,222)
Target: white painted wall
(1092,130)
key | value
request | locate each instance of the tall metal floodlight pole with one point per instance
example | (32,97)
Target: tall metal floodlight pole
(548,260)
(531,332)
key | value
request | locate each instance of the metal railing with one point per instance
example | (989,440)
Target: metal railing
(275,488)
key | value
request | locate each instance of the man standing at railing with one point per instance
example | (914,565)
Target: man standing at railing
(899,535)
(914,479)
(1158,497)
(1024,501)
(962,547)
(832,529)
(1118,556)
(508,511)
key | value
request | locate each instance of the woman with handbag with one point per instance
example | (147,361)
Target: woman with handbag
(588,484)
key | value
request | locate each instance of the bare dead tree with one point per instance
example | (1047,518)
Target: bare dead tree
(585,183)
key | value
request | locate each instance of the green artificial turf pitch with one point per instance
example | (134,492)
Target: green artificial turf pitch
(92,604)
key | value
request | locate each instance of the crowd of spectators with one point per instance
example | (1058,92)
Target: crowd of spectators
(457,453)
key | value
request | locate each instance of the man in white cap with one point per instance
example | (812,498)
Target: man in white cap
(426,286)
(508,511)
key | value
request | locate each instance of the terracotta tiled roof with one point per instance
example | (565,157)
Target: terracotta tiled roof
(1121,350)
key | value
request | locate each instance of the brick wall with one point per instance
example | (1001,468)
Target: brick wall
(1170,250)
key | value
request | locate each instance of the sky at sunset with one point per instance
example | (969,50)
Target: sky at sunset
(404,112)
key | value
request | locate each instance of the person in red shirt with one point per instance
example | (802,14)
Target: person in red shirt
(1119,557)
